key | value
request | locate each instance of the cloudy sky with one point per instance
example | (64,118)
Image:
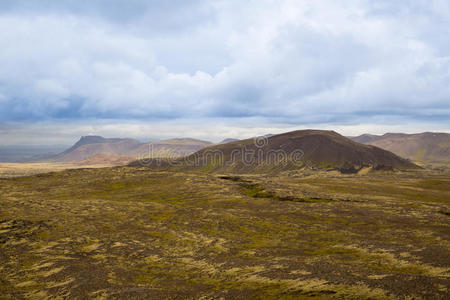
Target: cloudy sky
(216,69)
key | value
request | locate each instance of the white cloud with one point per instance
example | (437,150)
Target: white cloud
(298,62)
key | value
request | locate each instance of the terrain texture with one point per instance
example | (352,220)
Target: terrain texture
(288,151)
(134,233)
(427,146)
(91,150)
(10,170)
(89,146)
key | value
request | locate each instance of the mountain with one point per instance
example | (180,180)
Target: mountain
(89,146)
(100,150)
(427,146)
(169,148)
(365,138)
(288,151)
(90,139)
(228,140)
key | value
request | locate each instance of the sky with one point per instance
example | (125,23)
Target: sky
(217,69)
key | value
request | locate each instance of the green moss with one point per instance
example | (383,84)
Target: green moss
(43,235)
(387,268)
(255,190)
(210,236)
(439,184)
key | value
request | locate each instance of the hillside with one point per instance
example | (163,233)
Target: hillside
(427,146)
(171,148)
(89,146)
(365,138)
(228,140)
(292,150)
(105,159)
(97,149)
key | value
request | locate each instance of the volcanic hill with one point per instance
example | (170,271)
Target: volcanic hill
(288,151)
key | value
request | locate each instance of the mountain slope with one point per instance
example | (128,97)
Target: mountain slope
(89,146)
(427,146)
(228,140)
(365,138)
(94,149)
(292,150)
(169,148)
(106,159)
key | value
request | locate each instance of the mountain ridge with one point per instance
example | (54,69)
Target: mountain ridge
(425,146)
(97,148)
(88,146)
(170,148)
(288,151)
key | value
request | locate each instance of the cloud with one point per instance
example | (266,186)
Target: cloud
(297,62)
(156,16)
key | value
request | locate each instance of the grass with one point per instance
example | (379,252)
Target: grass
(11,170)
(136,233)
(255,190)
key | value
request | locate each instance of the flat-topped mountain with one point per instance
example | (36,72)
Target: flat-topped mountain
(288,151)
(427,146)
(94,139)
(89,146)
(97,149)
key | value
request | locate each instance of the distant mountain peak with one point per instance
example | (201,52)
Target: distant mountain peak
(96,139)
(290,151)
(91,137)
(425,146)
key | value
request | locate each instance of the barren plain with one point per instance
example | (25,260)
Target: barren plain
(128,232)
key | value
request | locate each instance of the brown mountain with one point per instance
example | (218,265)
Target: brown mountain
(287,151)
(228,140)
(100,150)
(89,146)
(365,138)
(427,146)
(169,148)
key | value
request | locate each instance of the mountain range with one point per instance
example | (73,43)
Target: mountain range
(427,146)
(322,148)
(100,150)
(287,151)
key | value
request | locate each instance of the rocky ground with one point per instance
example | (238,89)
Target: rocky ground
(132,233)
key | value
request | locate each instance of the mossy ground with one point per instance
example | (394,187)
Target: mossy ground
(132,233)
